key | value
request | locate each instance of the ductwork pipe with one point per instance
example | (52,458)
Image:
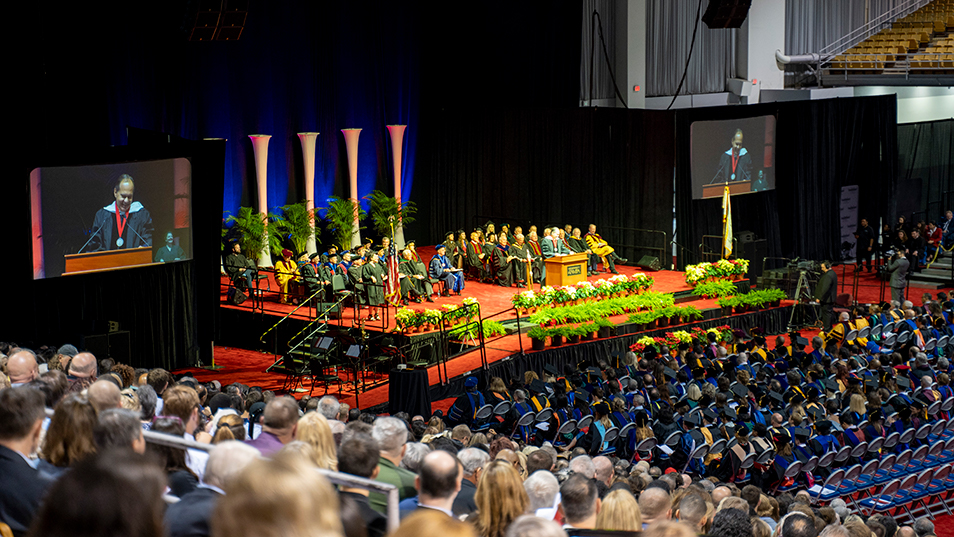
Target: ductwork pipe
(782,60)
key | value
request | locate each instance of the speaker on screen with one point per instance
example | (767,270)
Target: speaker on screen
(726,13)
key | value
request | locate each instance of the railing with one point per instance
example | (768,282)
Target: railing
(706,252)
(873,27)
(337,478)
(289,314)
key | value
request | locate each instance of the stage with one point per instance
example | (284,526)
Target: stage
(243,354)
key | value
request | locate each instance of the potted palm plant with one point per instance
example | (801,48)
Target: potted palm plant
(250,226)
(294,221)
(339,215)
(387,211)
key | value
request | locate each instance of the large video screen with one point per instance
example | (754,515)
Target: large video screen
(110,216)
(739,153)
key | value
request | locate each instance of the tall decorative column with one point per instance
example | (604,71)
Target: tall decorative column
(397,152)
(260,148)
(351,143)
(308,157)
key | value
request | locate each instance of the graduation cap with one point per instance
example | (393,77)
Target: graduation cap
(871,382)
(796,399)
(777,397)
(831,385)
(800,341)
(710,415)
(740,390)
(313,256)
(781,440)
(903,381)
(742,428)
(824,426)
(693,420)
(816,413)
(812,392)
(802,433)
(594,371)
(730,413)
(650,352)
(684,400)
(602,407)
(853,380)
(538,386)
(875,415)
(551,369)
(669,372)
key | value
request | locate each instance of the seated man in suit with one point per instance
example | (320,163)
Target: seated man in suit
(599,247)
(21,485)
(190,516)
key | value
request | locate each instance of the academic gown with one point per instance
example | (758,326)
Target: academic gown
(521,252)
(137,228)
(537,265)
(375,289)
(742,171)
(453,280)
(502,269)
(421,286)
(356,278)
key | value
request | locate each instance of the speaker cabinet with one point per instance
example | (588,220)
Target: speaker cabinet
(648,262)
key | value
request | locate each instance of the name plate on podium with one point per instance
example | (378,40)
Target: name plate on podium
(566,269)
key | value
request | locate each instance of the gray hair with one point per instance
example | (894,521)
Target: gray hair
(533,526)
(923,526)
(227,460)
(328,406)
(116,428)
(390,434)
(414,455)
(907,304)
(943,364)
(583,465)
(519,395)
(841,509)
(542,488)
(835,530)
(147,402)
(472,459)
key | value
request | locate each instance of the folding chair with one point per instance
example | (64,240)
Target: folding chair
(883,474)
(910,496)
(891,440)
(717,447)
(481,418)
(567,428)
(883,502)
(544,415)
(523,421)
(936,489)
(790,473)
(585,422)
(609,438)
(810,465)
(698,453)
(828,490)
(645,446)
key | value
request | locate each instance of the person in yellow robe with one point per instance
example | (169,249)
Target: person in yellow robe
(600,247)
(285,271)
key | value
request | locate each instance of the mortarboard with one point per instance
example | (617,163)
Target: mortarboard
(740,390)
(800,341)
(669,372)
(710,414)
(871,382)
(549,368)
(693,420)
(802,433)
(313,256)
(730,413)
(831,385)
(816,413)
(903,382)
(796,399)
(538,386)
(594,371)
(777,397)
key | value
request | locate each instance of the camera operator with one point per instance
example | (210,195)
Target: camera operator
(825,293)
(898,268)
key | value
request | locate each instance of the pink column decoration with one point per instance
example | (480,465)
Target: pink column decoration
(260,148)
(397,152)
(308,157)
(351,143)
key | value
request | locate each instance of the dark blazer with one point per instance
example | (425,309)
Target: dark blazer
(21,489)
(375,523)
(190,516)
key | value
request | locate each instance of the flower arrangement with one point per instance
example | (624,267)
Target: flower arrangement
(618,285)
(410,319)
(720,270)
(524,300)
(405,318)
(716,289)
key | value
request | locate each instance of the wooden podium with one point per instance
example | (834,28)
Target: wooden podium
(716,190)
(108,260)
(566,269)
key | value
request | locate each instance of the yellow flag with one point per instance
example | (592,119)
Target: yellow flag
(726,223)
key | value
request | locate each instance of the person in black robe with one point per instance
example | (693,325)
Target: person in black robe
(537,266)
(522,257)
(123,223)
(487,247)
(170,251)
(915,250)
(415,282)
(475,257)
(578,245)
(735,164)
(356,280)
(308,275)
(374,276)
(500,259)
(441,268)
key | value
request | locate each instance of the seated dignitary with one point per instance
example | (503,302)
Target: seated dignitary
(599,247)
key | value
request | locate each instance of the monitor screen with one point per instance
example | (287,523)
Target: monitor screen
(100,217)
(738,153)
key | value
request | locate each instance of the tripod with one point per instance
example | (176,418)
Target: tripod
(802,297)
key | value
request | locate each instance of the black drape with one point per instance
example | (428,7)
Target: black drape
(610,167)
(821,146)
(926,169)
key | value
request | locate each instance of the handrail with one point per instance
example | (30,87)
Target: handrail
(860,34)
(661,248)
(289,314)
(323,316)
(337,478)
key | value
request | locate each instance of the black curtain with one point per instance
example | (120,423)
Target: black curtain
(926,169)
(610,167)
(821,146)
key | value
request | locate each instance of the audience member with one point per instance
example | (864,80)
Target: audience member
(313,429)
(279,425)
(22,486)
(439,482)
(69,437)
(579,502)
(619,512)
(533,526)
(655,504)
(118,428)
(391,436)
(359,456)
(472,460)
(500,499)
(543,491)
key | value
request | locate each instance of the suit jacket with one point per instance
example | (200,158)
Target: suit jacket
(21,489)
(899,272)
(190,516)
(551,248)
(375,523)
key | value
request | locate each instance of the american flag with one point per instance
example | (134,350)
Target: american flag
(392,287)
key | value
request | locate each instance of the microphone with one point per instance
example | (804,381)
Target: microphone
(93,235)
(718,173)
(144,241)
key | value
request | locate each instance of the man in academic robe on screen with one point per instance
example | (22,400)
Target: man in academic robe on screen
(735,164)
(123,223)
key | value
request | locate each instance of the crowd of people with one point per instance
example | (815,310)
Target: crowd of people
(918,241)
(606,446)
(507,258)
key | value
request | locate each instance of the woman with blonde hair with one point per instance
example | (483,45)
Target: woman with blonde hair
(279,497)
(620,512)
(500,499)
(432,522)
(313,429)
(229,427)
(858,408)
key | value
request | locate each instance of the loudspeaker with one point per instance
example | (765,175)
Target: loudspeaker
(648,262)
(726,13)
(236,296)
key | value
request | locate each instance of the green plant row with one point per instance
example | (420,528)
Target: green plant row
(566,331)
(602,309)
(687,313)
(758,299)
(715,289)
